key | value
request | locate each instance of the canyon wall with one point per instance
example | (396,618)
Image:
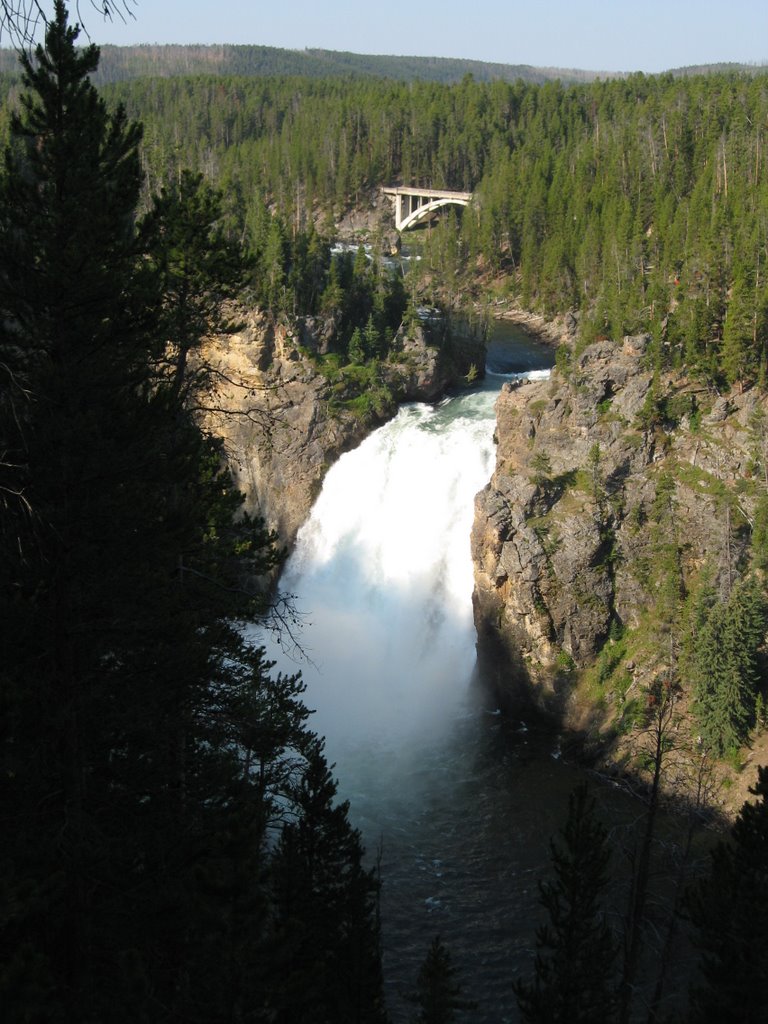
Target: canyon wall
(611,484)
(284,422)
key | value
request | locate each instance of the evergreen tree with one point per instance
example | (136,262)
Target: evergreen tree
(326,911)
(332,298)
(271,266)
(572,980)
(723,665)
(759,549)
(730,909)
(355,350)
(438,994)
(739,356)
(148,756)
(371,339)
(196,269)
(73,350)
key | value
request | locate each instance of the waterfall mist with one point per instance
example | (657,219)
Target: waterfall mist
(382,577)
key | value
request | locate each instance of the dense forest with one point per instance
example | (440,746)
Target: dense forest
(639,204)
(120,63)
(174,849)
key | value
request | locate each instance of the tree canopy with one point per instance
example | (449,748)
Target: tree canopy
(639,203)
(729,906)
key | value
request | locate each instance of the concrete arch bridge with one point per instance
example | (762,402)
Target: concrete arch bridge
(414,206)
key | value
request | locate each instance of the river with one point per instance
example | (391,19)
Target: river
(458,804)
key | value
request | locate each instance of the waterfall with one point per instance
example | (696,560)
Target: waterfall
(383,568)
(382,575)
(382,578)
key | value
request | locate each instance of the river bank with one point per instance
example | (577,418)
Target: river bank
(559,330)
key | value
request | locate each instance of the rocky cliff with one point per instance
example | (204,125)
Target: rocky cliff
(612,489)
(284,422)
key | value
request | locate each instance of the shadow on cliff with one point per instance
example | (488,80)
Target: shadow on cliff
(503,682)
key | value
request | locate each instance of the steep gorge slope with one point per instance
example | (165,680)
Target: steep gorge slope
(613,489)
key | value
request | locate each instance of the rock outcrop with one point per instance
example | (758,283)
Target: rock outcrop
(602,473)
(284,423)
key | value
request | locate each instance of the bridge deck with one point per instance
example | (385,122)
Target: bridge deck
(427,193)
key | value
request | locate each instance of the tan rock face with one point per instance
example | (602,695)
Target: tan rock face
(562,541)
(271,406)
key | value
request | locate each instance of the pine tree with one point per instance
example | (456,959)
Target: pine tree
(148,756)
(739,357)
(438,994)
(572,979)
(271,266)
(730,909)
(371,339)
(723,665)
(355,350)
(197,269)
(74,351)
(743,635)
(326,911)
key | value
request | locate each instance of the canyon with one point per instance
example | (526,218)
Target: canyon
(565,542)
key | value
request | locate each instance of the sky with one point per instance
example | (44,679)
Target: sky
(597,35)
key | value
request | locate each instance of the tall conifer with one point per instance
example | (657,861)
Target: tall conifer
(148,756)
(730,909)
(572,980)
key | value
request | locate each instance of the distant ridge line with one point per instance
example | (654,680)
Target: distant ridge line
(121,63)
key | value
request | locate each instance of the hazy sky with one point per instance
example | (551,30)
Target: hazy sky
(606,35)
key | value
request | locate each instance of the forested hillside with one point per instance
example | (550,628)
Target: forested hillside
(639,204)
(120,63)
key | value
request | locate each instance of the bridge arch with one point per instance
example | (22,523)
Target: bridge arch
(415,205)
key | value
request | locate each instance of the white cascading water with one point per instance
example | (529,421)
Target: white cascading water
(382,573)
(383,570)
